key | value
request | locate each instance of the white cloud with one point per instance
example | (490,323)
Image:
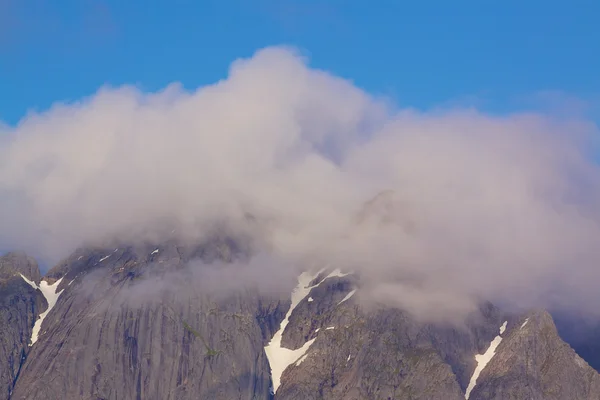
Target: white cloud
(480,206)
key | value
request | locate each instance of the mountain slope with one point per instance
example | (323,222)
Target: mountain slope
(19,306)
(533,362)
(102,342)
(139,322)
(378,353)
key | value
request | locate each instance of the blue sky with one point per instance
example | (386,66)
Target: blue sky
(498,56)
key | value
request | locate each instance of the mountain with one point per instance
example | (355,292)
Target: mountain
(20,304)
(141,322)
(532,362)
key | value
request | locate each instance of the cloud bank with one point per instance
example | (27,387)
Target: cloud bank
(435,210)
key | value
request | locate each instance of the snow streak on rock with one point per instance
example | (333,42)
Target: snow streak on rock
(49,292)
(503,327)
(31,283)
(484,359)
(279,357)
(347,296)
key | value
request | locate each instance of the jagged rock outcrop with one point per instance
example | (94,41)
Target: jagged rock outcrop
(533,362)
(19,306)
(377,354)
(387,354)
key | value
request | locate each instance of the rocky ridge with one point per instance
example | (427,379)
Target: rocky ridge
(134,322)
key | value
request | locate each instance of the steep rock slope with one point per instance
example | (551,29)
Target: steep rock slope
(533,362)
(19,306)
(376,354)
(119,331)
(138,323)
(386,354)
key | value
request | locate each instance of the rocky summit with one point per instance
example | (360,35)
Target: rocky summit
(138,322)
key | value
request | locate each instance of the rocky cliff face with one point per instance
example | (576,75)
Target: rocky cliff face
(19,306)
(128,327)
(533,362)
(138,323)
(376,354)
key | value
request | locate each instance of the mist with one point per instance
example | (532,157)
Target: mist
(434,210)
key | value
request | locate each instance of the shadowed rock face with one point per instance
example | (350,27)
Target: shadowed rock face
(19,306)
(138,323)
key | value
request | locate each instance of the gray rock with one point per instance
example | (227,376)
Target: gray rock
(129,328)
(375,356)
(378,354)
(20,305)
(12,264)
(137,322)
(533,362)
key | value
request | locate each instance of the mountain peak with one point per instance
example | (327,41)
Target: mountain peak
(533,362)
(14,263)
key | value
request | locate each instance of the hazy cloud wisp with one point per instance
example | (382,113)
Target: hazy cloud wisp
(435,210)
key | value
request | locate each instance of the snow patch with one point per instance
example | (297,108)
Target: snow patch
(310,299)
(525,323)
(301,359)
(329,328)
(347,297)
(318,329)
(49,292)
(484,359)
(31,283)
(348,359)
(337,273)
(154,252)
(503,327)
(80,257)
(104,258)
(279,357)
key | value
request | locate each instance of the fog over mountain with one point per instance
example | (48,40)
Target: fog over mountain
(435,210)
